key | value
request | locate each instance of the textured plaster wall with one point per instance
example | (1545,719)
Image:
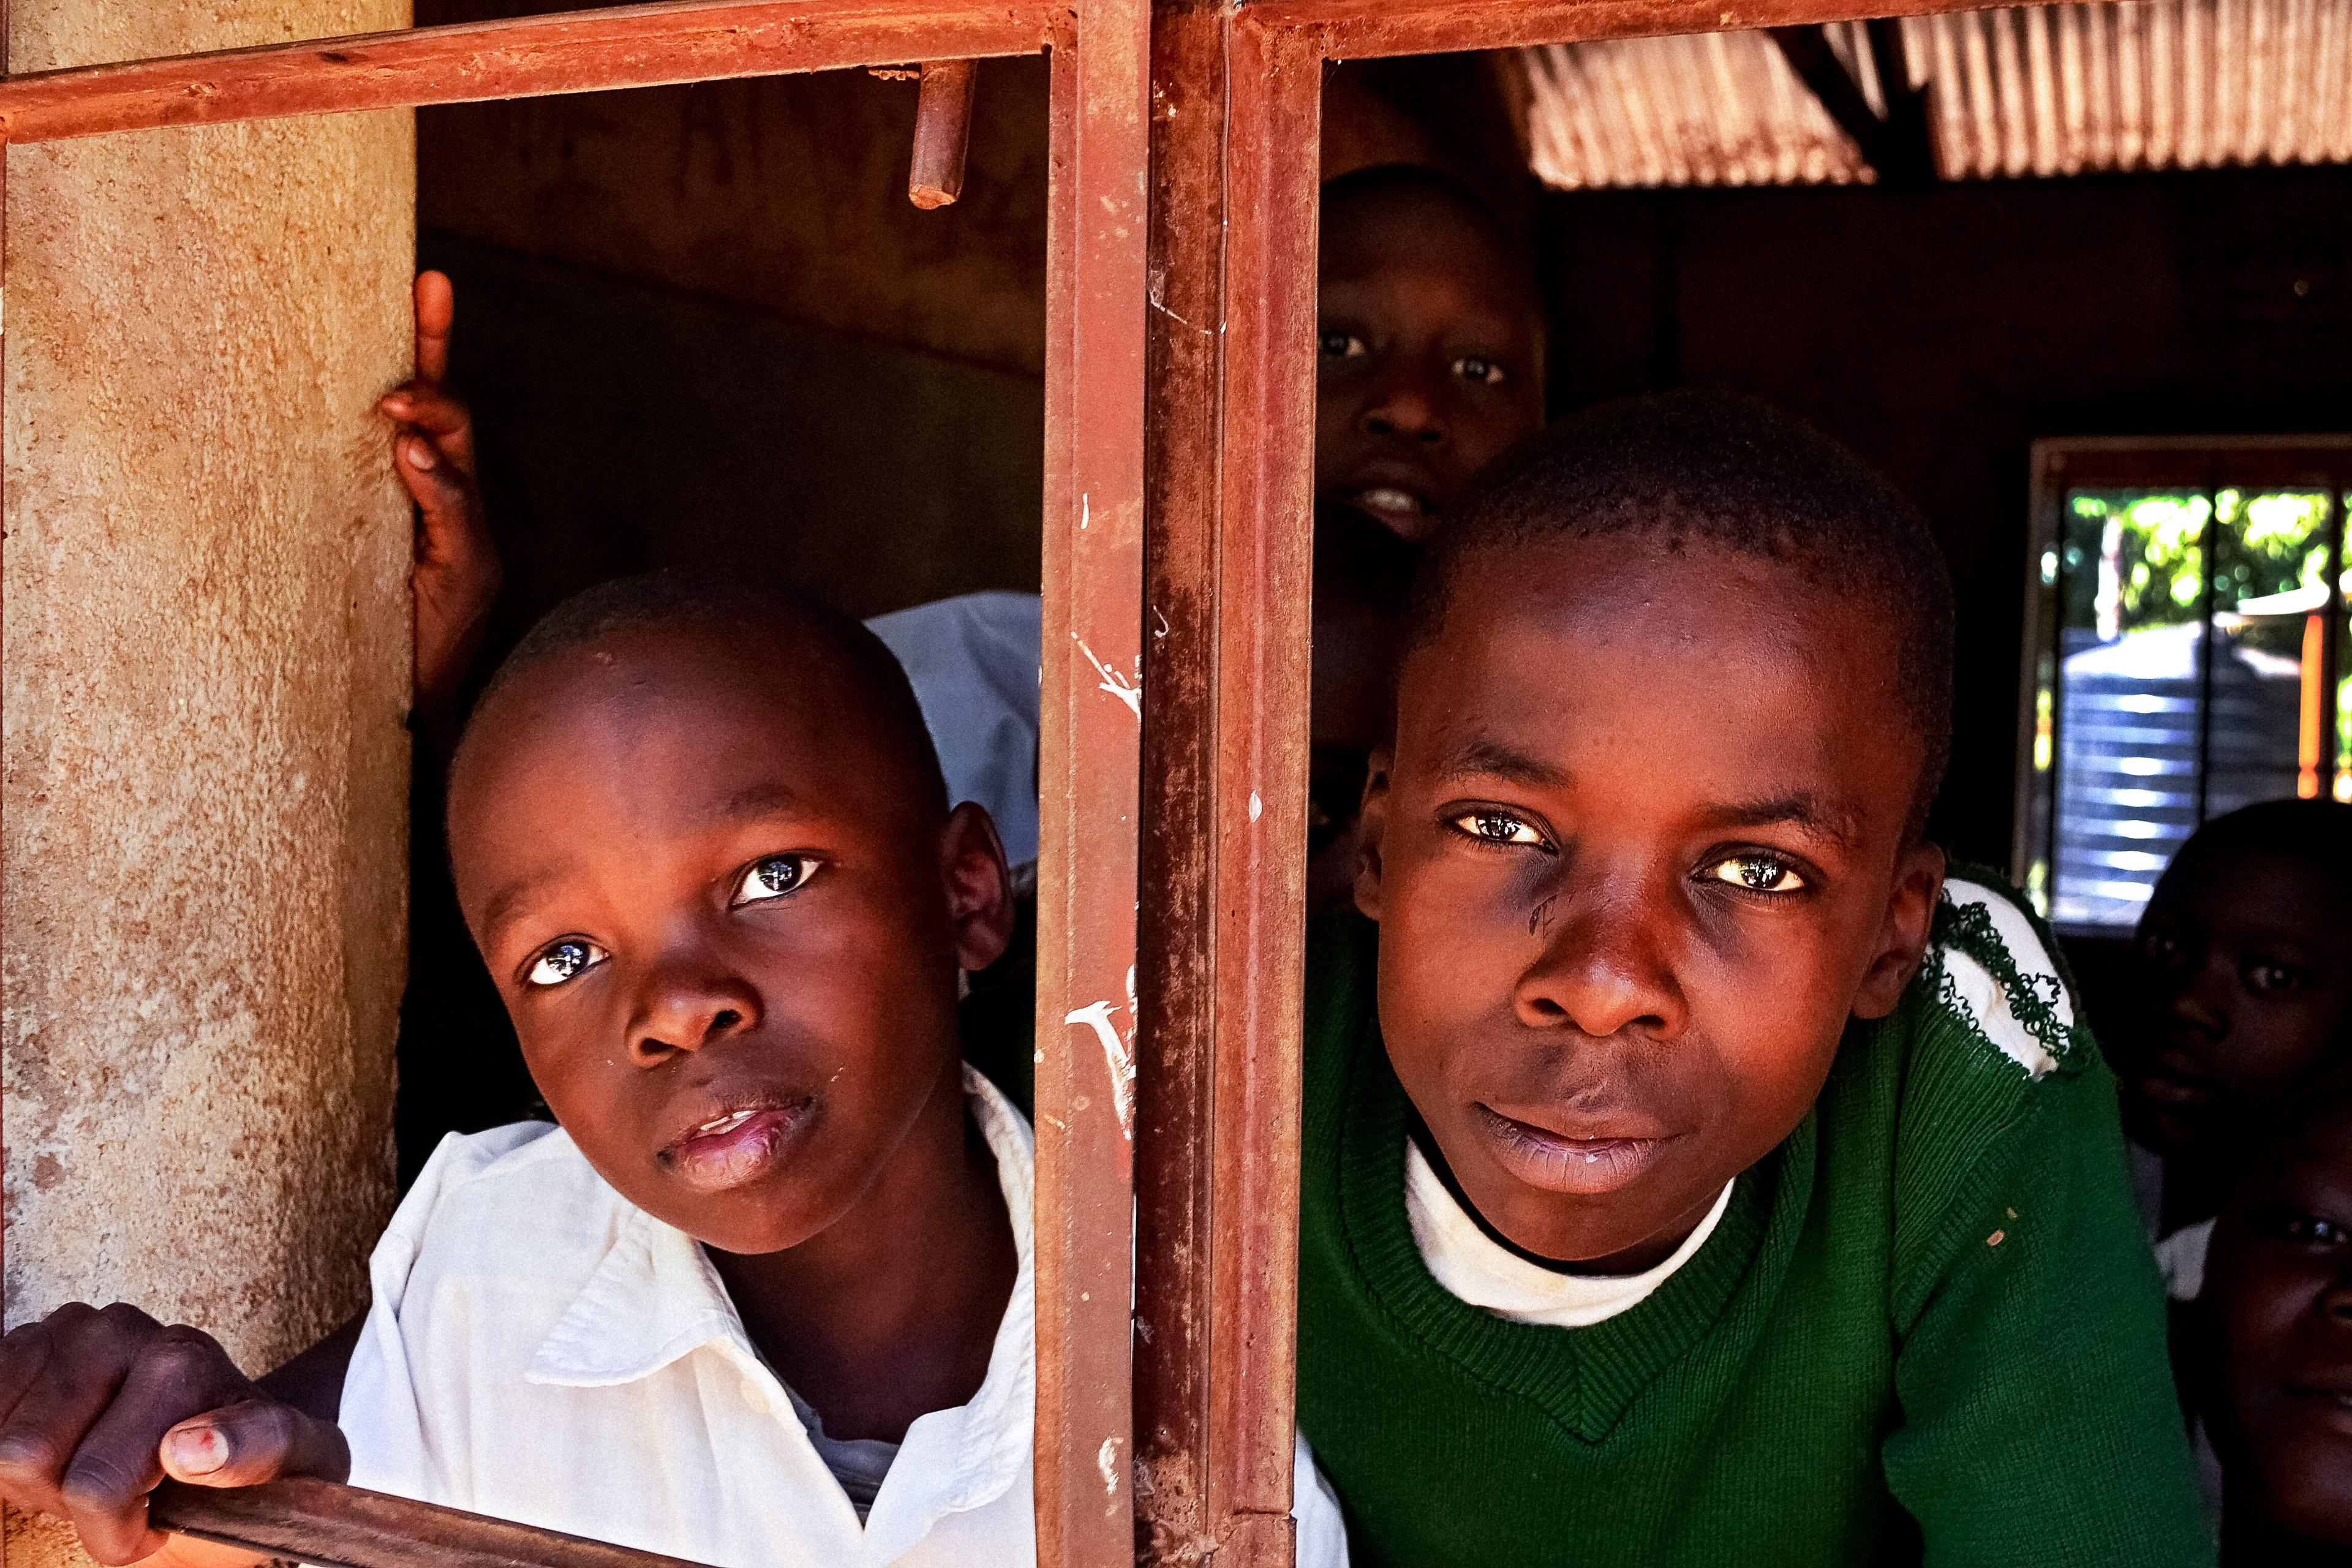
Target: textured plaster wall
(205,673)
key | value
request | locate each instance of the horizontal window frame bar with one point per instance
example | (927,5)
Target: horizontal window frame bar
(620,47)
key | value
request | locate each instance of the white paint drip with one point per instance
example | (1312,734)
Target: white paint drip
(1118,1056)
(1128,691)
(1257,806)
(1085,509)
(1106,1462)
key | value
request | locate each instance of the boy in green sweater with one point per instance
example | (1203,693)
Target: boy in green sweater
(1693,1173)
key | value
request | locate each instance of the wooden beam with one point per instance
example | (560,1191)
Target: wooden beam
(336,1526)
(576,51)
(1229,546)
(1894,147)
(1090,745)
(1910,149)
(1363,29)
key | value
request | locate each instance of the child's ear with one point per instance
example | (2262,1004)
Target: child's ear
(1371,825)
(1903,935)
(980,889)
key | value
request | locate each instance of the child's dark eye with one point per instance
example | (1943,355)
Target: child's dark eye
(2308,1230)
(1498,827)
(2272,979)
(2160,950)
(1757,874)
(772,879)
(1485,371)
(1339,344)
(561,961)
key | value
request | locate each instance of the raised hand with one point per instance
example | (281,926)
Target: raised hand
(457,575)
(98,1405)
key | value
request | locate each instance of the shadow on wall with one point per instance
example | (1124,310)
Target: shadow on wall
(626,427)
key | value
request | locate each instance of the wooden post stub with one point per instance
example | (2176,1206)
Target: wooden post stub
(942,132)
(336,1526)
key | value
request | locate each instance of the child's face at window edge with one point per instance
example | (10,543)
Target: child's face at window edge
(2246,986)
(1431,360)
(1637,858)
(728,937)
(2275,1331)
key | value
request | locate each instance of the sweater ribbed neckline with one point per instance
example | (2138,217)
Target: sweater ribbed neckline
(1585,1378)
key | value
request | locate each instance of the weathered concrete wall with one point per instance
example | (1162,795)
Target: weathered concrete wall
(206,668)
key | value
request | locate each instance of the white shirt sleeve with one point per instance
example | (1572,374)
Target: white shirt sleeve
(1322,1535)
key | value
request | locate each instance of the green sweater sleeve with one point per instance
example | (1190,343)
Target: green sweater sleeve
(2038,1423)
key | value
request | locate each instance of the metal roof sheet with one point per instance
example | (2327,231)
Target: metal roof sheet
(2021,90)
(1710,109)
(2153,84)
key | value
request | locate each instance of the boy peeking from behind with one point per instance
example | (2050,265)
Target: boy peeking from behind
(764,1296)
(2272,1336)
(1693,1173)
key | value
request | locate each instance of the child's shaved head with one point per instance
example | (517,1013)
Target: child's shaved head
(685,602)
(1735,473)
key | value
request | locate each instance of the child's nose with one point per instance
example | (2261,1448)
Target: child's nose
(2200,997)
(1602,971)
(686,1007)
(1402,408)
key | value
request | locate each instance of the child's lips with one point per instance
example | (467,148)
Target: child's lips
(2178,1090)
(1581,1155)
(2332,1404)
(733,1146)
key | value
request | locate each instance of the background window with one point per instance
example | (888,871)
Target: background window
(2185,655)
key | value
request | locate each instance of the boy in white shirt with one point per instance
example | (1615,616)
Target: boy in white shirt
(764,1296)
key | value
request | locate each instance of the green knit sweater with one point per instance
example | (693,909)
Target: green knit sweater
(1927,1328)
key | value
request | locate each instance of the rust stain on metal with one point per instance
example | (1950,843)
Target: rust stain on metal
(1365,30)
(1233,267)
(578,51)
(1090,760)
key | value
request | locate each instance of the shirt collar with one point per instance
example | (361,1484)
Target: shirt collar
(1478,1270)
(655,1297)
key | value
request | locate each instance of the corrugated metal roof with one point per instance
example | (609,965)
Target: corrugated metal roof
(2025,90)
(1713,109)
(2155,84)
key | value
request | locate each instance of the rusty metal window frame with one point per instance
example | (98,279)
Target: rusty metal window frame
(1180,434)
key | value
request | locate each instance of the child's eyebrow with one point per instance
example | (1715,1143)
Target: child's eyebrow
(763,799)
(1492,759)
(1801,809)
(509,900)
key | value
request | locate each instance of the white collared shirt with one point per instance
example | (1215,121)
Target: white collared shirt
(1476,1268)
(542,1350)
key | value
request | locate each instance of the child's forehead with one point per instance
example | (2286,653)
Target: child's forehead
(1729,661)
(2258,890)
(1388,232)
(1598,589)
(1735,649)
(642,713)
